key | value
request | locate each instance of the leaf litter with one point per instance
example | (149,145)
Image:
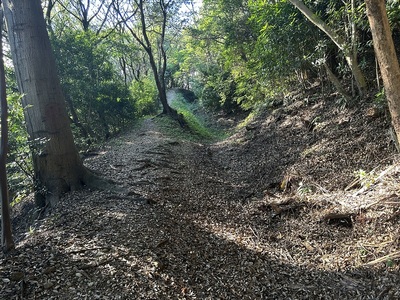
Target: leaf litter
(277,211)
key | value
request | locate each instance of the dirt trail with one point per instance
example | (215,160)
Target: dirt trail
(194,223)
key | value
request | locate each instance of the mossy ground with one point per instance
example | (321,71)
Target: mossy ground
(199,126)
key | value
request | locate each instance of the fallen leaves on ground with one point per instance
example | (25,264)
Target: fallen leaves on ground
(261,215)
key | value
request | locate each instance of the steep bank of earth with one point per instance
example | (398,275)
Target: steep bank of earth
(302,203)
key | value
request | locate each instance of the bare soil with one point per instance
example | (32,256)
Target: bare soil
(302,203)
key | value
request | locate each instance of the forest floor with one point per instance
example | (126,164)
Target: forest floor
(301,203)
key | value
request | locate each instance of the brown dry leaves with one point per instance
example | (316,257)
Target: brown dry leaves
(242,219)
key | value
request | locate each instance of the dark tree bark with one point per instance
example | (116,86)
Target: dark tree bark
(387,58)
(49,9)
(6,236)
(144,41)
(57,164)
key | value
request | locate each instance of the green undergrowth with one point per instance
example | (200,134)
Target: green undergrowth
(199,127)
(250,118)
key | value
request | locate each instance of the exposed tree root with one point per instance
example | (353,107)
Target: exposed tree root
(94,181)
(48,197)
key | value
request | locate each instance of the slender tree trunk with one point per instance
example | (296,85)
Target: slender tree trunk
(332,77)
(6,234)
(144,41)
(353,35)
(75,118)
(387,58)
(123,66)
(57,164)
(159,73)
(50,6)
(351,58)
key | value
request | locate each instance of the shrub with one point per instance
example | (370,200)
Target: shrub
(145,94)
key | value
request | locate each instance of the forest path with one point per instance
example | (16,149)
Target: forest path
(201,221)
(171,95)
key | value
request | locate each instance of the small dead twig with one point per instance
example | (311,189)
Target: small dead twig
(96,264)
(269,194)
(366,187)
(353,184)
(88,249)
(380,245)
(391,256)
(162,243)
(381,201)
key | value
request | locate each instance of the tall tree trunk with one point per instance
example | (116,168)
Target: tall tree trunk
(7,241)
(158,70)
(351,58)
(57,164)
(159,73)
(387,58)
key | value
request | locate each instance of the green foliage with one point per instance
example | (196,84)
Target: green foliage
(91,81)
(366,178)
(393,12)
(246,52)
(195,125)
(198,128)
(219,93)
(250,118)
(145,94)
(242,53)
(390,263)
(380,98)
(19,164)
